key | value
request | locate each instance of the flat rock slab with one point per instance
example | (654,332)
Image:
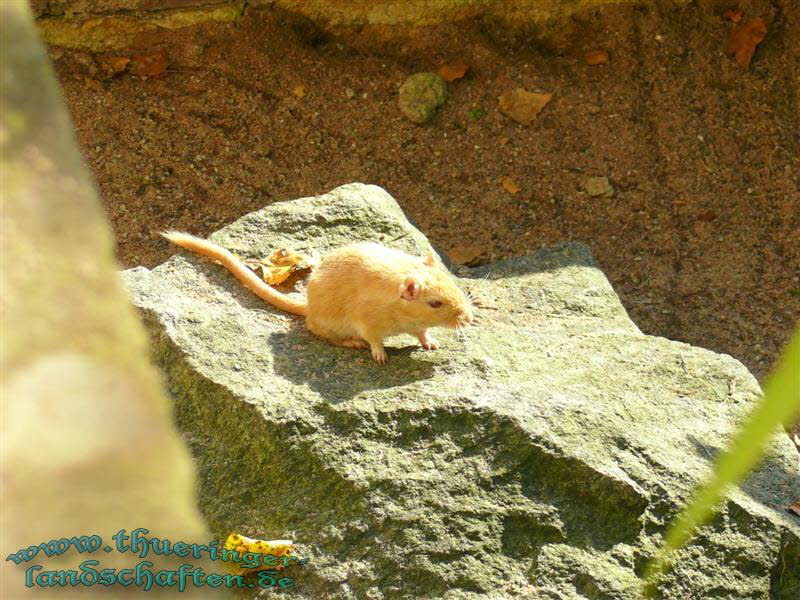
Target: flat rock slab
(541,456)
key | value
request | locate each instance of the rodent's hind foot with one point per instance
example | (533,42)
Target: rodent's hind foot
(379,354)
(351,343)
(375,342)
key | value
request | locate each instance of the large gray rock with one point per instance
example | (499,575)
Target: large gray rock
(541,456)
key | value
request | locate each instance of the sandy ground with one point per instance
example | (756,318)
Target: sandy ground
(700,237)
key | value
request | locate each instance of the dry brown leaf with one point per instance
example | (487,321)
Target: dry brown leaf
(452,72)
(509,185)
(596,57)
(271,274)
(279,266)
(744,39)
(113,65)
(466,255)
(794,507)
(523,106)
(733,14)
(299,91)
(92,84)
(285,258)
(277,275)
(149,65)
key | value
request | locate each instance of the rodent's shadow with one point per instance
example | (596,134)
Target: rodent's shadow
(338,374)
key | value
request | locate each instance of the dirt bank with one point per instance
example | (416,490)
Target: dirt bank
(700,237)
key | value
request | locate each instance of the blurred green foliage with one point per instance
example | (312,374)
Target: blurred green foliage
(780,405)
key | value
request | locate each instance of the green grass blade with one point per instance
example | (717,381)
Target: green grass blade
(779,406)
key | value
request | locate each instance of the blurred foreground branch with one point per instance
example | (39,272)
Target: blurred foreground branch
(88,446)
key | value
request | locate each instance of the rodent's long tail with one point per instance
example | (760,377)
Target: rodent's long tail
(249,279)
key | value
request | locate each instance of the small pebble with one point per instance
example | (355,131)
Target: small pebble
(598,186)
(421,95)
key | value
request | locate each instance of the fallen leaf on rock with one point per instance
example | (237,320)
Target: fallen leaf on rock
(794,507)
(242,544)
(452,72)
(299,91)
(523,106)
(149,65)
(113,65)
(279,266)
(509,185)
(733,14)
(275,275)
(466,255)
(285,258)
(596,57)
(744,39)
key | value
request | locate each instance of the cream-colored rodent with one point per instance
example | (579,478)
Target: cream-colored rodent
(360,294)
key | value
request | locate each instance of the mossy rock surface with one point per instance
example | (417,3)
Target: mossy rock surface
(540,457)
(117,27)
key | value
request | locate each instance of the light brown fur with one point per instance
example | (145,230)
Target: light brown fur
(360,294)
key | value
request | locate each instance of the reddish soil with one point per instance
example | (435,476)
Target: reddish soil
(700,239)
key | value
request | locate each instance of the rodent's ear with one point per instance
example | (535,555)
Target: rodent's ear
(410,289)
(430,259)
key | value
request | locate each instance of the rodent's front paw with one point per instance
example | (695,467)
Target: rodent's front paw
(428,342)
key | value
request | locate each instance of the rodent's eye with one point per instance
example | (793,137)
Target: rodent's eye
(435,303)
